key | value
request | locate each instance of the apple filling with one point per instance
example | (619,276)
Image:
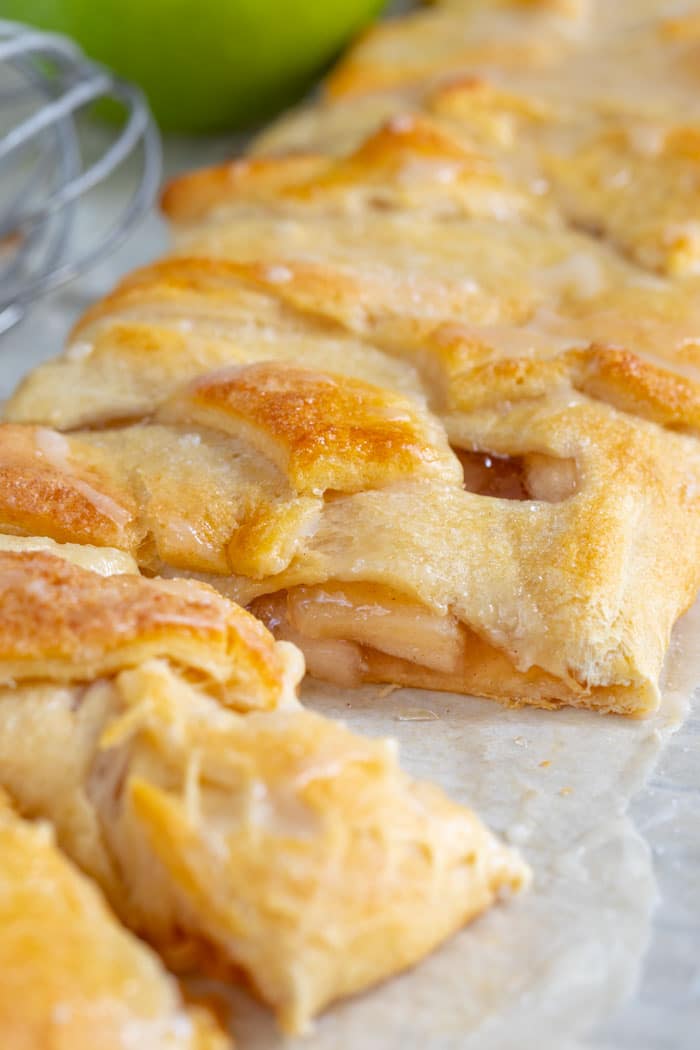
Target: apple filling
(533,476)
(336,623)
(359,632)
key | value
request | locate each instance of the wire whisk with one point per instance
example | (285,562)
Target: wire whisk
(46,168)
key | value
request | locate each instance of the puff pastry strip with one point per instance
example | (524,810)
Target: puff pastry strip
(70,977)
(135,716)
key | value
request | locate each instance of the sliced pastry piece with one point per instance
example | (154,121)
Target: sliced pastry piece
(155,726)
(71,978)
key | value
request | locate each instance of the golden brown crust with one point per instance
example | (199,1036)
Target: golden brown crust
(552,111)
(611,374)
(410,161)
(42,487)
(322,431)
(394,277)
(164,281)
(178,319)
(634,385)
(64,622)
(191,196)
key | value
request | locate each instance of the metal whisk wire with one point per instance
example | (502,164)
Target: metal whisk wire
(49,81)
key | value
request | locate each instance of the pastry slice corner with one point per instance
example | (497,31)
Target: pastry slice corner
(232,833)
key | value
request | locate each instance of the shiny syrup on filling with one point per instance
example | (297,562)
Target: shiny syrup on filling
(487,475)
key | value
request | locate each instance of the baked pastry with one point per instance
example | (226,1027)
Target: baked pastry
(584,99)
(419,386)
(425,394)
(70,977)
(340,512)
(212,484)
(155,725)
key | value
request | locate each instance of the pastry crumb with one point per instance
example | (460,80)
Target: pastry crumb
(418,714)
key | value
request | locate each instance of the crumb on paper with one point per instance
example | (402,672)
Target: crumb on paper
(520,741)
(544,763)
(566,790)
(418,714)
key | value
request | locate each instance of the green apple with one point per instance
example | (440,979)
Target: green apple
(207,65)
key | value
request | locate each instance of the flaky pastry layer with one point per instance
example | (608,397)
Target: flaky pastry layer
(229,827)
